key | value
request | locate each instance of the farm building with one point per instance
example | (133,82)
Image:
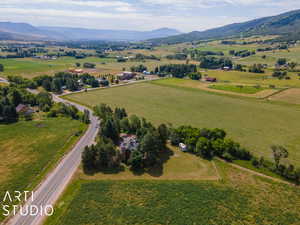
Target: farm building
(211,79)
(24,109)
(126,75)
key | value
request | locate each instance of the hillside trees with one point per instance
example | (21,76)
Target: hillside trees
(215,63)
(176,70)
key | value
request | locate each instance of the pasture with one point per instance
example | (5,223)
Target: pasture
(30,148)
(240,198)
(256,124)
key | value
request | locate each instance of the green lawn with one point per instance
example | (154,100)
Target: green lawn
(238,88)
(30,148)
(239,198)
(29,67)
(256,124)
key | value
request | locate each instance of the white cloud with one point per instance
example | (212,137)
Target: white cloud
(98,4)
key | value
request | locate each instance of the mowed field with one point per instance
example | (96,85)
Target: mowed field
(30,148)
(240,199)
(256,124)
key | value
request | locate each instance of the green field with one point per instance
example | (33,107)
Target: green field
(30,148)
(29,67)
(238,89)
(240,199)
(256,124)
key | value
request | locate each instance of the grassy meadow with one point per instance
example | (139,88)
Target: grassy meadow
(256,124)
(30,148)
(240,198)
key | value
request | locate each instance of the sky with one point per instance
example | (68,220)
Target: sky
(184,15)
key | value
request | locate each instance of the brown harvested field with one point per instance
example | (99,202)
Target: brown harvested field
(176,166)
(290,96)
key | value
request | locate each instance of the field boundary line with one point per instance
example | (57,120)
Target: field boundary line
(217,171)
(257,173)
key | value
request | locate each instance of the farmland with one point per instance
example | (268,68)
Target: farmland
(30,148)
(256,124)
(241,198)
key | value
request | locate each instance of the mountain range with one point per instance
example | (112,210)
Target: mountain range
(286,24)
(24,31)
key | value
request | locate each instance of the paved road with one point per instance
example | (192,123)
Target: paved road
(52,187)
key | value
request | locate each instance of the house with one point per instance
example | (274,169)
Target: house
(183,147)
(24,109)
(76,71)
(126,75)
(128,144)
(210,79)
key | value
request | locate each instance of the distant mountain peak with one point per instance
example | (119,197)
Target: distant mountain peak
(30,32)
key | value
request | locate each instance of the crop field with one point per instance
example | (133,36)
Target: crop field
(256,124)
(240,198)
(175,165)
(291,96)
(29,149)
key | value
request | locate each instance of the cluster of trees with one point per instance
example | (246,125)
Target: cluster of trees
(215,63)
(142,57)
(197,54)
(208,143)
(10,98)
(279,74)
(195,76)
(239,67)
(176,70)
(104,155)
(20,82)
(67,80)
(288,171)
(1,67)
(139,69)
(177,56)
(256,68)
(242,53)
(61,109)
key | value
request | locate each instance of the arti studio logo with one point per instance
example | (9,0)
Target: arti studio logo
(11,205)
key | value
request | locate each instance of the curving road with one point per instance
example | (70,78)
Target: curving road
(54,184)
